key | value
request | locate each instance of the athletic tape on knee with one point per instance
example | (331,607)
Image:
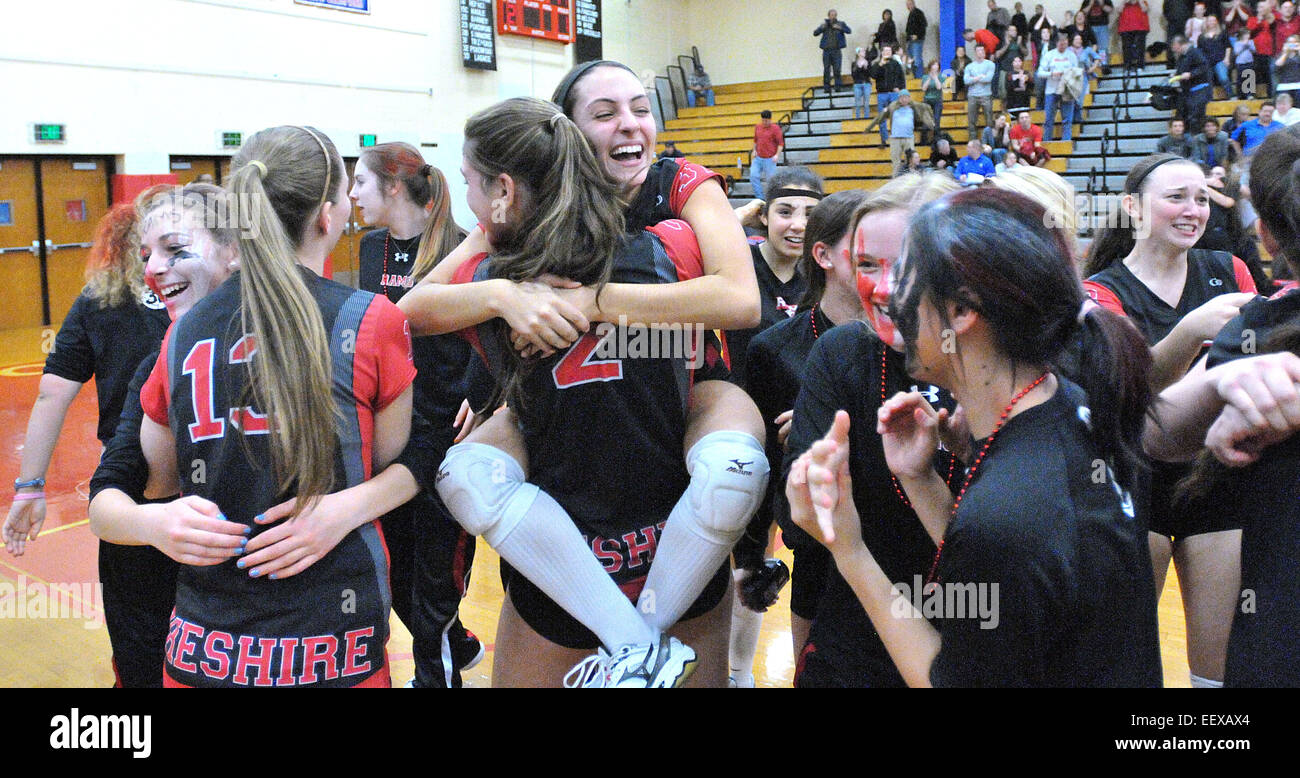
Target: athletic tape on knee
(484,489)
(728,479)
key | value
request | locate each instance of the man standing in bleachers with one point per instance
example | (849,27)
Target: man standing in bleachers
(979,89)
(1193,72)
(768,142)
(832,32)
(915,34)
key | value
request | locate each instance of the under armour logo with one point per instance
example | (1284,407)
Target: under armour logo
(931,393)
(740,467)
(401,256)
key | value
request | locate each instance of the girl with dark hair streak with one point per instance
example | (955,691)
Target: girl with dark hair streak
(1047,560)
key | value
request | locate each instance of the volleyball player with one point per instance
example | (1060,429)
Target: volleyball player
(1179,297)
(854,368)
(776,358)
(407,201)
(1074,604)
(113,324)
(299,335)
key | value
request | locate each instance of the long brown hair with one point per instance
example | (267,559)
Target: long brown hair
(424,185)
(297,172)
(567,218)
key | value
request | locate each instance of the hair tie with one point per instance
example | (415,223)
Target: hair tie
(1088,305)
(426,170)
(556,118)
(261,168)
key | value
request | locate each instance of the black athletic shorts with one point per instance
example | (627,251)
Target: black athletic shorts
(556,625)
(1178,521)
(808,579)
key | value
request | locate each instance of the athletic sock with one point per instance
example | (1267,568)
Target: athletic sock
(728,477)
(1204,683)
(745,625)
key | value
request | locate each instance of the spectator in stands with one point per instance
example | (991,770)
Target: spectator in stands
(959,63)
(1080,27)
(943,156)
(912,163)
(1250,134)
(1045,44)
(1261,33)
(985,37)
(1020,83)
(973,168)
(1217,48)
(891,80)
(1134,24)
(998,20)
(699,86)
(1286,25)
(1176,13)
(860,69)
(768,143)
(1193,72)
(903,118)
(1286,113)
(932,83)
(1027,141)
(1097,13)
(1223,230)
(1235,15)
(1195,26)
(1038,22)
(1021,21)
(1243,56)
(832,32)
(979,89)
(1286,71)
(1090,63)
(1176,142)
(886,32)
(670,150)
(914,29)
(996,139)
(1010,161)
(1054,66)
(1240,115)
(1211,148)
(1013,47)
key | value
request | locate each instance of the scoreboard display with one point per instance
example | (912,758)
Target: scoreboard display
(536,19)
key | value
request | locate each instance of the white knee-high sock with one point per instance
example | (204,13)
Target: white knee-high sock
(728,475)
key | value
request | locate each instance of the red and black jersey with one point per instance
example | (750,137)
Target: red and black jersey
(328,625)
(604,421)
(779,300)
(1209,274)
(668,185)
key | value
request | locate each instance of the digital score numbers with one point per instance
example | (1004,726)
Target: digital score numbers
(535,19)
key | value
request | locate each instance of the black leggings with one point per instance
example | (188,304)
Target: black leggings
(1135,48)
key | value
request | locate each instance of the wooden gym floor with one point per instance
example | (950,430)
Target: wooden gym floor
(65,652)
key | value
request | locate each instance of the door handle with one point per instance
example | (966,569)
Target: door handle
(57,246)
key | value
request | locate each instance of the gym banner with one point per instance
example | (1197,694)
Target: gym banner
(478,45)
(586,22)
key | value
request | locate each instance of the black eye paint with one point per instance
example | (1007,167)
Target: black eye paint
(181,254)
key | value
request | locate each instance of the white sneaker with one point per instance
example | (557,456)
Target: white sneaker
(665,664)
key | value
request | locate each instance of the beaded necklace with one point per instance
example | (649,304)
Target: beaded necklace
(970,474)
(405,254)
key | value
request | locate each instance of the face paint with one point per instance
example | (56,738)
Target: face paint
(874,289)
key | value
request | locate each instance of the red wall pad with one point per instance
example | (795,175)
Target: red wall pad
(126,187)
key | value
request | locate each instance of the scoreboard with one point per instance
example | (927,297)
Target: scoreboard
(536,19)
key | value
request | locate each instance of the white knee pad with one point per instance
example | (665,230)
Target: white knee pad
(728,479)
(484,489)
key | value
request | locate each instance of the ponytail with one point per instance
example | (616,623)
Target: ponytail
(1114,371)
(287,174)
(441,235)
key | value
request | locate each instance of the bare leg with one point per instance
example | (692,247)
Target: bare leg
(1161,550)
(1209,571)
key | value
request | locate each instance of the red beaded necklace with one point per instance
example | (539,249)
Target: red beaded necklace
(387,238)
(812,317)
(952,460)
(970,474)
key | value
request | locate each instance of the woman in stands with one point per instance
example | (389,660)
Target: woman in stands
(609,105)
(275,344)
(989,321)
(1179,298)
(408,203)
(1133,26)
(112,325)
(775,362)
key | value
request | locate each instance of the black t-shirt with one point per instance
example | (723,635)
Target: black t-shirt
(779,300)
(889,76)
(107,344)
(775,366)
(1264,645)
(1045,521)
(387,264)
(843,372)
(1194,62)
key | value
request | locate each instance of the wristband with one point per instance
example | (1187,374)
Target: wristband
(29,496)
(19,484)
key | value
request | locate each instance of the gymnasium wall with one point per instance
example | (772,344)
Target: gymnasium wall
(145,79)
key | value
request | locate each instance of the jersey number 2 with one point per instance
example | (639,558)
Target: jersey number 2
(578,366)
(198,366)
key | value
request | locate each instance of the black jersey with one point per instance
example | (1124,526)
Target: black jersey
(668,185)
(1045,522)
(387,265)
(1264,645)
(604,421)
(123,465)
(776,359)
(1209,274)
(779,301)
(107,344)
(844,372)
(328,625)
